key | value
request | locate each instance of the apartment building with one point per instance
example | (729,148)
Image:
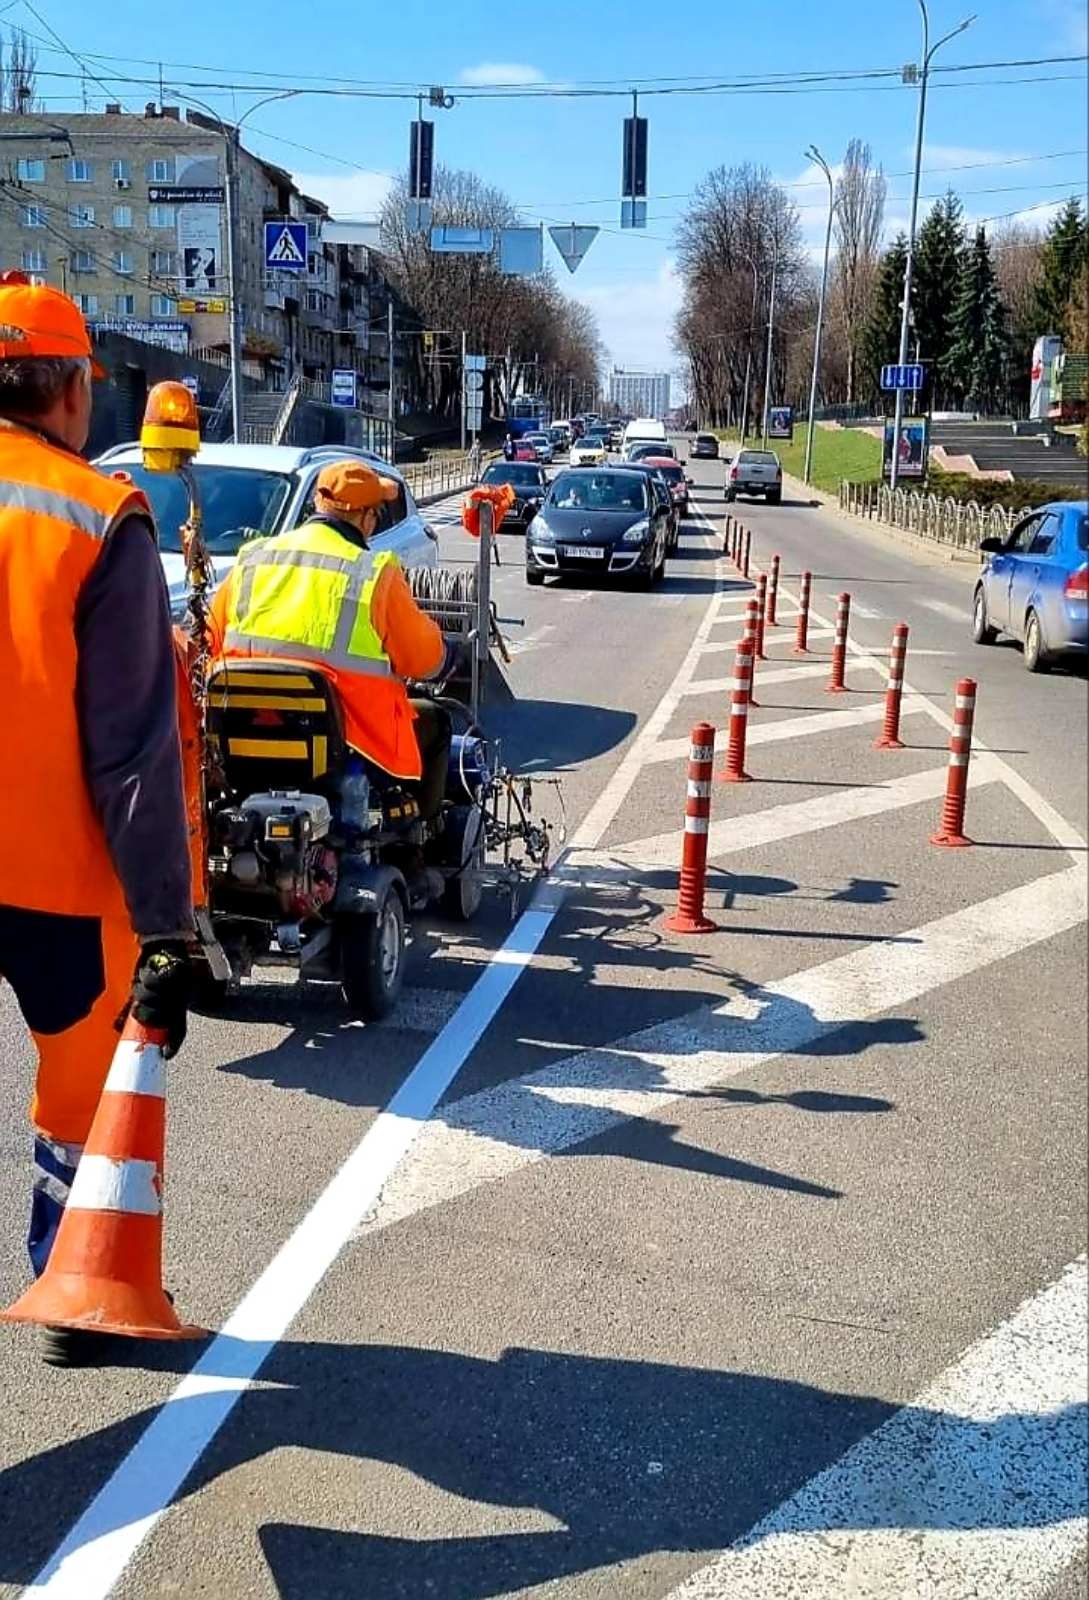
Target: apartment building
(639,394)
(125,212)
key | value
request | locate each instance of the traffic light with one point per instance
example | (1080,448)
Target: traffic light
(420,160)
(635,158)
(633,189)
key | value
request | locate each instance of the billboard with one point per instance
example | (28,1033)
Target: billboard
(200,248)
(780,422)
(1045,355)
(914,448)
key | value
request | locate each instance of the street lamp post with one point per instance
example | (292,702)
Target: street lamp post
(748,349)
(234,296)
(929,52)
(771,332)
(814,155)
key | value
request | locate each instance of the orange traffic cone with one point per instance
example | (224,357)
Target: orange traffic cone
(104,1272)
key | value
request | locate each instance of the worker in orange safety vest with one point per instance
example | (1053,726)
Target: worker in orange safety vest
(95,883)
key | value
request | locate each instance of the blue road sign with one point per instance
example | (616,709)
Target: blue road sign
(909,376)
(285,246)
(342,386)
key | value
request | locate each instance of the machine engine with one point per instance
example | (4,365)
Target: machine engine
(276,845)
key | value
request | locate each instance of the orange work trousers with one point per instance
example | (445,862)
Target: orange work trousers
(71,977)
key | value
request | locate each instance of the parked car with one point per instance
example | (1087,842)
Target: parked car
(675,477)
(540,444)
(530,486)
(588,452)
(1035,585)
(755,472)
(249,491)
(608,522)
(704,447)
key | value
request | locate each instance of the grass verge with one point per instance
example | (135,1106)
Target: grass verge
(837,453)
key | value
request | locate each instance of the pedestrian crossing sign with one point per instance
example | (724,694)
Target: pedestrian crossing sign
(285,246)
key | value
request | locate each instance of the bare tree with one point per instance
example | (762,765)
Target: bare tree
(738,226)
(531,332)
(858,220)
(18,75)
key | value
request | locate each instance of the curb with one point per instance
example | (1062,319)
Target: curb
(913,541)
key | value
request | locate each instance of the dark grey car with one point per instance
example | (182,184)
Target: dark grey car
(608,521)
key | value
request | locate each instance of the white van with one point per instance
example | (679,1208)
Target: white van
(643,430)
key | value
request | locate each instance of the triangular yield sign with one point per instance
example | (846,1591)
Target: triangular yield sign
(285,252)
(573,242)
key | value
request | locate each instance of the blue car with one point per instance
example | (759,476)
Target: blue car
(1035,585)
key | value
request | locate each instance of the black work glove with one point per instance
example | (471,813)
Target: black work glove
(160,990)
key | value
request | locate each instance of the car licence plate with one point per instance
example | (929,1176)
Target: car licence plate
(584,552)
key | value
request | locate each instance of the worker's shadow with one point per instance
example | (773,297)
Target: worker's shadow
(549,1464)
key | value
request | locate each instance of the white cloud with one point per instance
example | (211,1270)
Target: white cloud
(941,157)
(496,74)
(350,196)
(635,320)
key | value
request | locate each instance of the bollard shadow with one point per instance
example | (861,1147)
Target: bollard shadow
(823,1101)
(611,1460)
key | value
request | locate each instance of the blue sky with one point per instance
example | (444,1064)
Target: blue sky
(559,159)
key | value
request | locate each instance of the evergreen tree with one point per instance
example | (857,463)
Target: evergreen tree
(937,263)
(1065,264)
(881,335)
(974,363)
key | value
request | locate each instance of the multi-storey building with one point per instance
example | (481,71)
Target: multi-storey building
(126,213)
(639,394)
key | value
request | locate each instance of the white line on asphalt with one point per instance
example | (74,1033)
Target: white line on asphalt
(975,1488)
(96,1551)
(730,834)
(807,669)
(867,613)
(499,1131)
(718,645)
(944,609)
(792,727)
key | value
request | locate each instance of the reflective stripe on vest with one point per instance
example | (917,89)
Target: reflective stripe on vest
(278,611)
(53,503)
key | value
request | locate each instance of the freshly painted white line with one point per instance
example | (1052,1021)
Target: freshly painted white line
(729,835)
(96,1551)
(501,1130)
(975,1488)
(944,609)
(792,727)
(808,669)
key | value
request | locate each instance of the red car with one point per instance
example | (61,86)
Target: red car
(674,475)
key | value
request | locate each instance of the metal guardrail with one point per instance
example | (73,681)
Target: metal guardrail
(442,474)
(959,524)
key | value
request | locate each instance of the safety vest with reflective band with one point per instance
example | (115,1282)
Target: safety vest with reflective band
(307,596)
(56,513)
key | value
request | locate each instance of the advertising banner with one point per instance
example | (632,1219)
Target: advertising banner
(780,422)
(914,448)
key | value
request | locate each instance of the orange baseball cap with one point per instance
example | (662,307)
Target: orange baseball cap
(352,486)
(36,320)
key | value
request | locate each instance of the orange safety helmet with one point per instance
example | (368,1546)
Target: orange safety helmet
(36,320)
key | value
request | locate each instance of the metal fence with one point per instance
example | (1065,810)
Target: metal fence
(442,474)
(959,524)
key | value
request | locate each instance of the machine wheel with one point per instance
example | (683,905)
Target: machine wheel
(462,895)
(774,497)
(659,572)
(372,958)
(533,578)
(982,632)
(731,496)
(1035,654)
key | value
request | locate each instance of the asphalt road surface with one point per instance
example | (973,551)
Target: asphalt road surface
(623,1264)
